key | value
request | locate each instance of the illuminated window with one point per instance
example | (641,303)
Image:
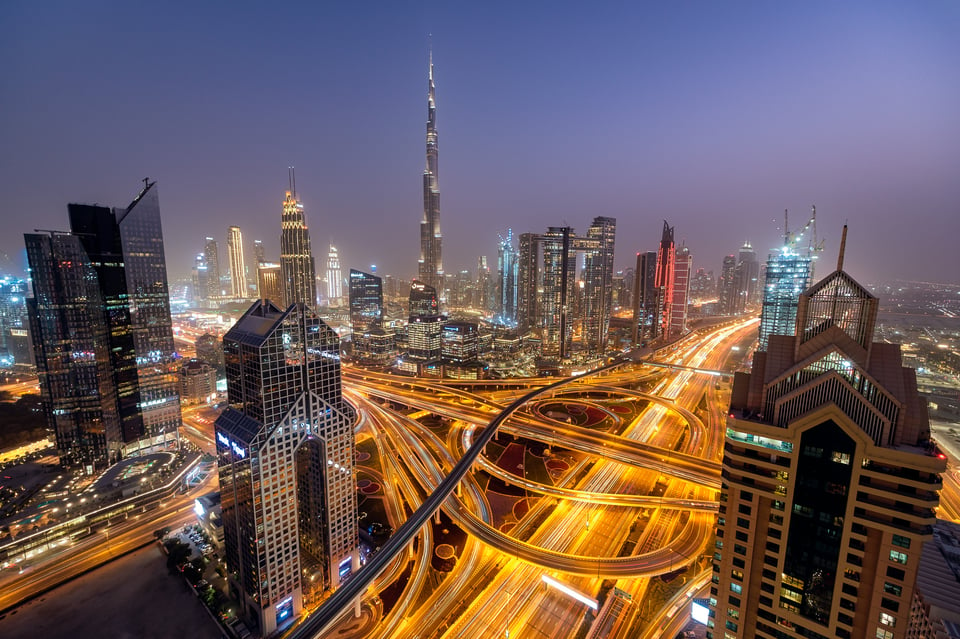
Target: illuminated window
(897,556)
(737,588)
(884,634)
(888,619)
(841,458)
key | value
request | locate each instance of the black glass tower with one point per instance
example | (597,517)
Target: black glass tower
(366,300)
(122,333)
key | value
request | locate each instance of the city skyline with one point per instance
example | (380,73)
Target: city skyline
(716,119)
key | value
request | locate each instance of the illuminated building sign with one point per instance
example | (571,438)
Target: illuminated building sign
(232,445)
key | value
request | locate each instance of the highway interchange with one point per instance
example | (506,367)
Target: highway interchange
(637,502)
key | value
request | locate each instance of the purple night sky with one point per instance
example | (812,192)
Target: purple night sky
(714,116)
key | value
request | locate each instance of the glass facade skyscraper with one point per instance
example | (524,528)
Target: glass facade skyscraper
(141,236)
(430,265)
(507,272)
(787,275)
(285,459)
(101,310)
(598,282)
(366,301)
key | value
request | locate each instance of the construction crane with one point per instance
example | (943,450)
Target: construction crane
(792,240)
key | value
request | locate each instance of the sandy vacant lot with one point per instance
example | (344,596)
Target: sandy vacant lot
(133,597)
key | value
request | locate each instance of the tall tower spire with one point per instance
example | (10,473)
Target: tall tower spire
(430,267)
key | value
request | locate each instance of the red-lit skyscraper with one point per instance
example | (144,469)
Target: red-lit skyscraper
(666,256)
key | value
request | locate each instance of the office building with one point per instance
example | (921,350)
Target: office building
(547,292)
(646,299)
(14,324)
(787,275)
(682,269)
(297,269)
(144,260)
(366,301)
(200,281)
(424,342)
(423,300)
(702,286)
(728,287)
(209,349)
(748,275)
(212,260)
(259,254)
(459,343)
(78,388)
(334,277)
(269,282)
(285,459)
(666,258)
(198,382)
(829,481)
(507,275)
(238,273)
(598,283)
(100,322)
(430,265)
(484,282)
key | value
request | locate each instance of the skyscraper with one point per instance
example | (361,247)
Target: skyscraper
(269,282)
(334,276)
(646,298)
(728,287)
(682,269)
(430,267)
(547,277)
(78,389)
(598,282)
(201,289)
(213,269)
(507,273)
(666,258)
(527,274)
(366,301)
(482,301)
(259,255)
(787,275)
(423,300)
(145,268)
(748,274)
(14,323)
(100,320)
(296,257)
(285,459)
(559,276)
(829,480)
(238,275)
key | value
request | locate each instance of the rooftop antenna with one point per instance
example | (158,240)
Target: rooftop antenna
(843,248)
(786,228)
(292,180)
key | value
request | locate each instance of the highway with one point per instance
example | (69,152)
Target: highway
(319,621)
(82,555)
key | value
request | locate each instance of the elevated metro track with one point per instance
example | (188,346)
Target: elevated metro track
(320,620)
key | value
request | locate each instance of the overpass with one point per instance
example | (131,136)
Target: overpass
(320,620)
